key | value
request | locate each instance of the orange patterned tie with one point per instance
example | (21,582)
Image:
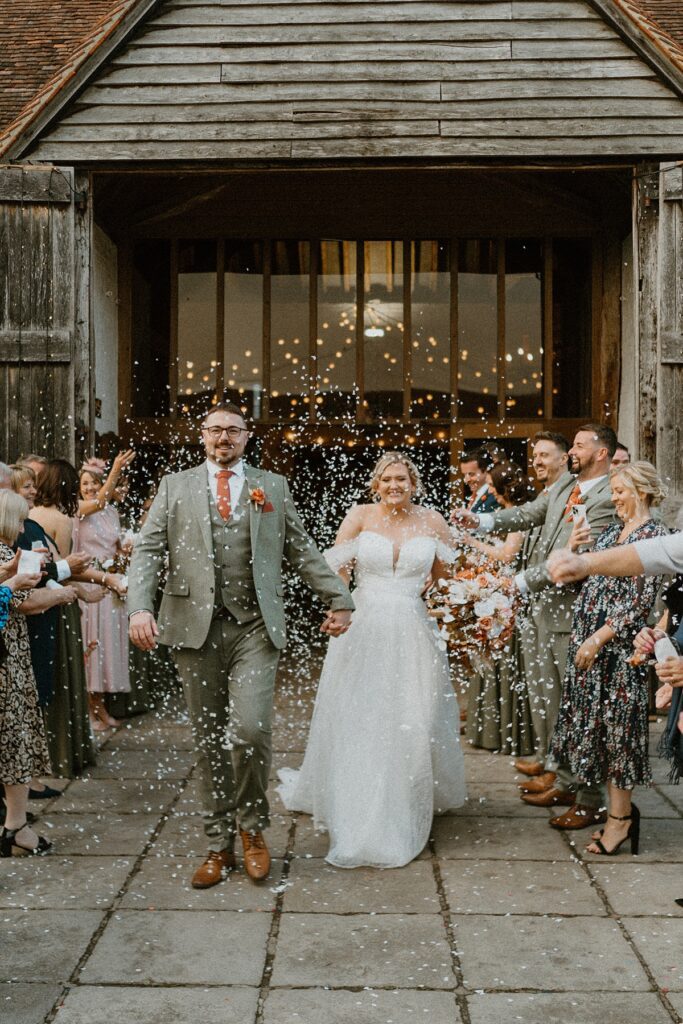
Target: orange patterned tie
(223,493)
(573,499)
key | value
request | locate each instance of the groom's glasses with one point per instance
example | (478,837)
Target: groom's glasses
(232,432)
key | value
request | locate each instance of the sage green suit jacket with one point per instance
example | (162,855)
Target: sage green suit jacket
(178,526)
(553,605)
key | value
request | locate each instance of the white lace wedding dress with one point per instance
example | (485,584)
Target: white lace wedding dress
(383,754)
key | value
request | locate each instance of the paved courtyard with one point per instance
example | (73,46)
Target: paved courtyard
(500,920)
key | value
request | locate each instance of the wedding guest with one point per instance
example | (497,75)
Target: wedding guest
(23,747)
(42,605)
(588,486)
(474,467)
(602,726)
(621,456)
(549,460)
(97,530)
(498,714)
(35,462)
(68,728)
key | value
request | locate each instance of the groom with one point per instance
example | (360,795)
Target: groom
(226,528)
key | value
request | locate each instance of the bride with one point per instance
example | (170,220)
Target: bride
(383,754)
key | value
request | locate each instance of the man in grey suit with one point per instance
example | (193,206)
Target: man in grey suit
(587,487)
(550,457)
(225,528)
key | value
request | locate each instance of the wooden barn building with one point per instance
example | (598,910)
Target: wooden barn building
(369,221)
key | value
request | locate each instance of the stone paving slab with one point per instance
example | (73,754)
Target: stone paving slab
(673,793)
(91,1004)
(62,883)
(128,796)
(461,838)
(313,1006)
(652,804)
(676,1000)
(639,888)
(142,764)
(151,734)
(495,800)
(570,954)
(164,884)
(26,1004)
(518,887)
(44,945)
(342,951)
(661,839)
(564,1008)
(171,947)
(313,886)
(660,942)
(107,834)
(492,768)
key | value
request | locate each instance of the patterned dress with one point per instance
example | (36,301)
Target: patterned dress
(23,747)
(602,727)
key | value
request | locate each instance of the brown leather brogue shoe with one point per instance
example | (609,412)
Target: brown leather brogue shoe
(579,816)
(539,784)
(549,798)
(256,856)
(214,869)
(529,767)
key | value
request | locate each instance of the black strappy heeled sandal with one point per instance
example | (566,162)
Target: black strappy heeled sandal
(9,847)
(633,834)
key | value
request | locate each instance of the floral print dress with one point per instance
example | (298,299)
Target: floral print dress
(23,748)
(602,726)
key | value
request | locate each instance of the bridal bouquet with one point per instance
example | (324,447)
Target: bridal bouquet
(475,611)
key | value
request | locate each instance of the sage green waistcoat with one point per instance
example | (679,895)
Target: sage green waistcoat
(232,559)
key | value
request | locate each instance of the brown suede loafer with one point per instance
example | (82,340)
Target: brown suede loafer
(529,767)
(539,784)
(579,816)
(256,856)
(549,798)
(214,869)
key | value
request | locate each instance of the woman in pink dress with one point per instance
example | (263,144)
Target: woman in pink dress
(97,531)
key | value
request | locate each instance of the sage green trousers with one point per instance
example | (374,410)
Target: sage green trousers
(228,685)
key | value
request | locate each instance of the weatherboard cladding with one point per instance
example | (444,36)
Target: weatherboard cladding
(310,80)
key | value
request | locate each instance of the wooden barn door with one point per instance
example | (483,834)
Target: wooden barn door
(45,349)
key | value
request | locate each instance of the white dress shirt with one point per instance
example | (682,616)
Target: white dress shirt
(661,554)
(236,481)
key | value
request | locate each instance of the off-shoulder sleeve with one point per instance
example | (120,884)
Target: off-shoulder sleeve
(445,553)
(341,555)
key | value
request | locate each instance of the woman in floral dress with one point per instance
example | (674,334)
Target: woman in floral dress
(602,727)
(23,747)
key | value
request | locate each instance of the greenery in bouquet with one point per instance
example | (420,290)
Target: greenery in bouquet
(475,609)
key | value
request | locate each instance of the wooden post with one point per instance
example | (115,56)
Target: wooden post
(670,380)
(645,243)
(84,337)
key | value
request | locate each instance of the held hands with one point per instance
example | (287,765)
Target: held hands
(143,631)
(566,567)
(336,623)
(65,595)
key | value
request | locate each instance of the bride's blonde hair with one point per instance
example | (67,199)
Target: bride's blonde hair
(392,459)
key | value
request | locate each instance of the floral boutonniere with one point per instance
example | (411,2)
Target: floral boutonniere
(258,496)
